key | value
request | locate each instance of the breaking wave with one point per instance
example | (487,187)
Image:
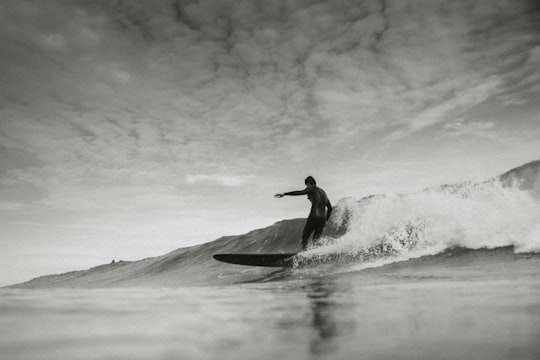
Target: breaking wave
(495,213)
(373,231)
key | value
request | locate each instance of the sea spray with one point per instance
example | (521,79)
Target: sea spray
(397,227)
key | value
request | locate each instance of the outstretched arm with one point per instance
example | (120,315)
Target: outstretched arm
(328,209)
(293,193)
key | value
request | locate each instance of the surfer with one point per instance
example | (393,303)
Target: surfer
(318,215)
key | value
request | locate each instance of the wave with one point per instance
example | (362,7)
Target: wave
(503,211)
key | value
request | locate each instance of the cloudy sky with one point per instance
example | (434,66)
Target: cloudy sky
(132,128)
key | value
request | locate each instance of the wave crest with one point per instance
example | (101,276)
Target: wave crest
(485,215)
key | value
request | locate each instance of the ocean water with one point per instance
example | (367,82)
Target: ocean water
(367,315)
(446,273)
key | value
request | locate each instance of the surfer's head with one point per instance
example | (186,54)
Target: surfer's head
(310,181)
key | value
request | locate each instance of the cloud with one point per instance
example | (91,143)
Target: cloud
(12,206)
(271,73)
(225,180)
(163,94)
(455,106)
(140,93)
(460,125)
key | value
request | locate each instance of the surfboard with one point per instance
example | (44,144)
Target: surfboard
(270,260)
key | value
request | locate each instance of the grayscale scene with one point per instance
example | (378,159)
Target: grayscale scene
(280,179)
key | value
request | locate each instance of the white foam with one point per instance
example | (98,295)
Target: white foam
(386,228)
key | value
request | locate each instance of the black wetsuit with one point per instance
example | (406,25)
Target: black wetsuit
(318,215)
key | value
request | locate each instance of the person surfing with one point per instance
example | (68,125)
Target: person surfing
(321,208)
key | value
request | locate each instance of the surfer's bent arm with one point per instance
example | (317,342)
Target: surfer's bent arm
(328,209)
(294,193)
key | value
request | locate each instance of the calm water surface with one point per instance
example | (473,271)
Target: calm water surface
(330,318)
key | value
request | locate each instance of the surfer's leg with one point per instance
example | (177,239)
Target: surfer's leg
(317,233)
(319,227)
(308,229)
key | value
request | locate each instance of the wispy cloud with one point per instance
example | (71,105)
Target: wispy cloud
(138,92)
(225,180)
(449,109)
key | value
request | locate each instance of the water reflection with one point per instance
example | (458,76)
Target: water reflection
(323,321)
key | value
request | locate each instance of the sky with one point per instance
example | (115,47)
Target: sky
(132,128)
